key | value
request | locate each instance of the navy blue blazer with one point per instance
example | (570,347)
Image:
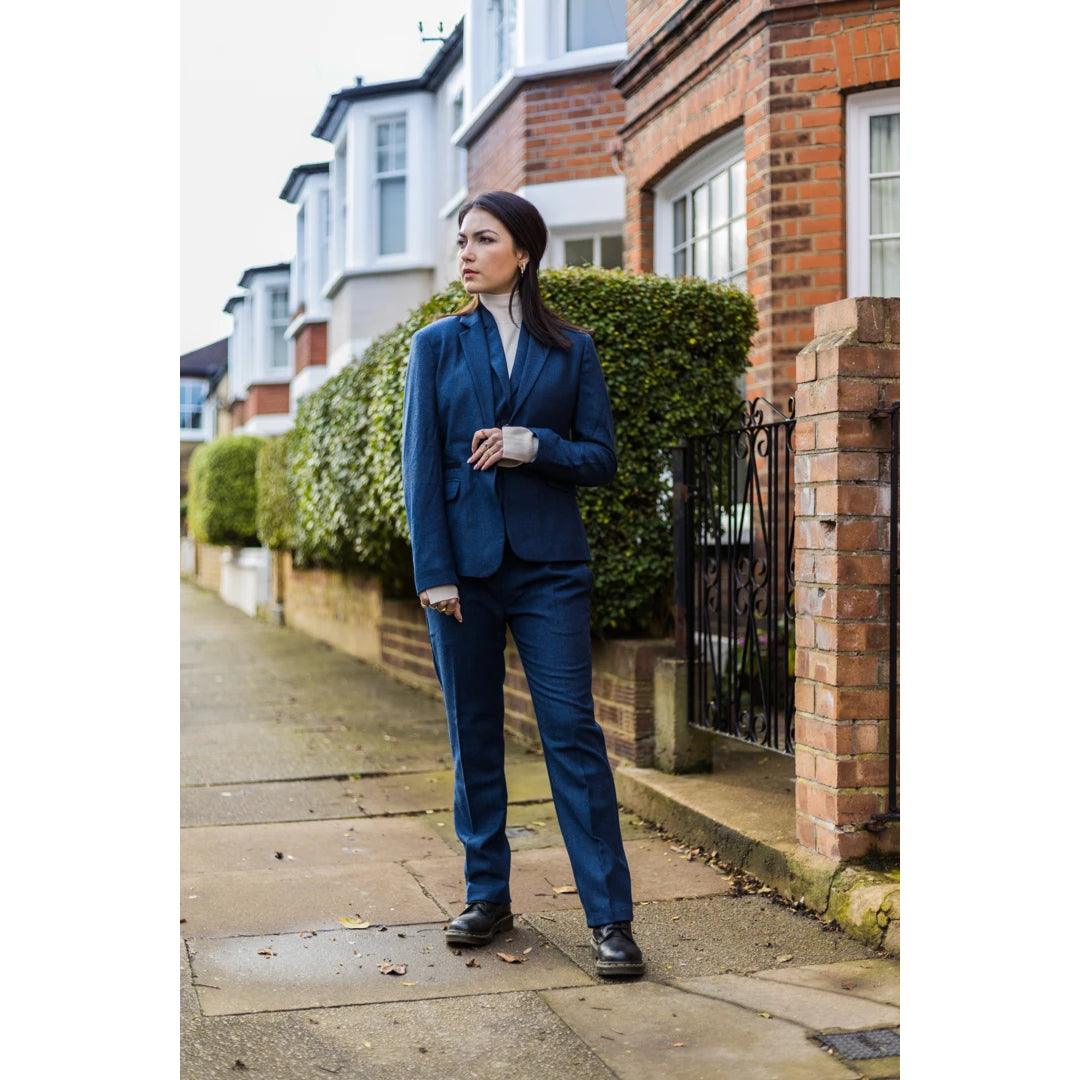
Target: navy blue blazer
(455,384)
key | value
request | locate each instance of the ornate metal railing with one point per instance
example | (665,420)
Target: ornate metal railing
(892,808)
(734,517)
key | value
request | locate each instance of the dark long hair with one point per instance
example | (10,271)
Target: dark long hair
(528,231)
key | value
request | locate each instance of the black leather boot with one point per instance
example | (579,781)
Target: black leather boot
(616,951)
(478,923)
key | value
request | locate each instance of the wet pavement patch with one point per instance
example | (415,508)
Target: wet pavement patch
(261,973)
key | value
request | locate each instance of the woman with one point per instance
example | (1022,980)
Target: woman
(506,412)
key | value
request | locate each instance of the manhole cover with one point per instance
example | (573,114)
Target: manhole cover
(856,1045)
(513,831)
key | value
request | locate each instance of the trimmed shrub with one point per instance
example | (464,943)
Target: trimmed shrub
(672,350)
(275,511)
(221,491)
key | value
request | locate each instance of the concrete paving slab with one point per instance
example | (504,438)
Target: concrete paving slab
(239,767)
(296,800)
(342,843)
(710,935)
(341,967)
(293,900)
(874,979)
(644,1031)
(820,1010)
(484,1037)
(535,873)
(533,825)
(526,781)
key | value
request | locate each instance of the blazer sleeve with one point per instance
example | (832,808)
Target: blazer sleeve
(421,472)
(588,458)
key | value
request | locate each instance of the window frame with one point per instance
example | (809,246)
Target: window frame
(715,157)
(302,259)
(402,117)
(563,31)
(190,382)
(595,235)
(858,110)
(324,217)
(271,323)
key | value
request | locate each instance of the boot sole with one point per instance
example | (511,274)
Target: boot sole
(618,967)
(463,937)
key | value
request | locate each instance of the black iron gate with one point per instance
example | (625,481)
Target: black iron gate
(734,516)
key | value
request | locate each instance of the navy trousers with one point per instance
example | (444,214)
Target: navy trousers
(546,605)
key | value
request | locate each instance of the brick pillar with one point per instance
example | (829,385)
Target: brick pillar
(842,491)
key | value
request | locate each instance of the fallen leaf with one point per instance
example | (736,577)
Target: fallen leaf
(561,890)
(510,958)
(785,958)
(528,950)
(768,1016)
(847,984)
(306,933)
(408,984)
(389,968)
(472,963)
(678,1044)
(354,922)
(267,952)
(367,1044)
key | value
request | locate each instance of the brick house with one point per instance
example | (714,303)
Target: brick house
(308,189)
(395,184)
(760,147)
(260,367)
(198,369)
(541,118)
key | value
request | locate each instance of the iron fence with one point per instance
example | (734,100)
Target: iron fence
(734,518)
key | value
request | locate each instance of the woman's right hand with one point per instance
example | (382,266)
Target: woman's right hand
(445,607)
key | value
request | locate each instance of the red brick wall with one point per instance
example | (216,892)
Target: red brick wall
(842,575)
(561,128)
(266,398)
(310,344)
(781,71)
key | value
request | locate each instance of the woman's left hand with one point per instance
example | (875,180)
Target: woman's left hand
(487,448)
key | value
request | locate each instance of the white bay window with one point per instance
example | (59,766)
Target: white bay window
(873,193)
(390,173)
(594,22)
(701,215)
(278,353)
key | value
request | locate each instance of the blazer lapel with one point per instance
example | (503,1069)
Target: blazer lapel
(474,346)
(529,366)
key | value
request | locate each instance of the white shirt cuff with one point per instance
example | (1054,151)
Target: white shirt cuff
(438,593)
(519,446)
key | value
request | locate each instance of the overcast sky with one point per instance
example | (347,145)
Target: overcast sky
(255,76)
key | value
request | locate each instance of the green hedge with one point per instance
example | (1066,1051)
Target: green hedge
(221,491)
(275,513)
(671,349)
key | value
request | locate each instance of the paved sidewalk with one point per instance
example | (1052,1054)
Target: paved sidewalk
(318,844)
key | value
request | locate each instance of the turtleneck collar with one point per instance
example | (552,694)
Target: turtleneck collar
(499,305)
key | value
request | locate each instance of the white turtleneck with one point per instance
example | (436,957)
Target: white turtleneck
(520,444)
